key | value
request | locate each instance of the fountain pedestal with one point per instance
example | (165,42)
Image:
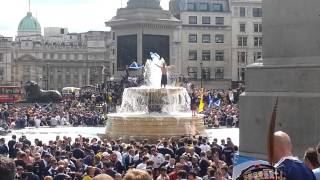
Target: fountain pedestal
(153,127)
(153,113)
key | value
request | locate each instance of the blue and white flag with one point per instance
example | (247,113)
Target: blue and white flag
(135,66)
(243,162)
(217,102)
(210,101)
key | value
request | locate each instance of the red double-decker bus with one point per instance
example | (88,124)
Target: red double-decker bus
(10,94)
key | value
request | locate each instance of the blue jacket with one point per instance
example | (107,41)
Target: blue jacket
(294,169)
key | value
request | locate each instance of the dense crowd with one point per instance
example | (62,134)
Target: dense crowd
(74,114)
(219,106)
(84,158)
(173,159)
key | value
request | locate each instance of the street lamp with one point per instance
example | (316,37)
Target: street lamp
(201,70)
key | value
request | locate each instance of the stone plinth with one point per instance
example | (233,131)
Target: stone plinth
(153,127)
(290,70)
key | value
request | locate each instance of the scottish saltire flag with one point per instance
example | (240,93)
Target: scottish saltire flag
(217,102)
(243,162)
(210,101)
(231,98)
(135,66)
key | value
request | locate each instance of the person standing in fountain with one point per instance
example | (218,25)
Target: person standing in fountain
(164,77)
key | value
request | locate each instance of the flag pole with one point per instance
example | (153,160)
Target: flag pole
(270,137)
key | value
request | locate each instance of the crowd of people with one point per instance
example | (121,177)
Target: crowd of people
(219,106)
(192,158)
(35,115)
(84,158)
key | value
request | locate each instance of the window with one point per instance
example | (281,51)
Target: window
(206,55)
(206,20)
(1,57)
(1,72)
(76,56)
(219,74)
(204,7)
(59,79)
(113,36)
(193,72)
(192,38)
(217,7)
(191,6)
(242,72)
(193,20)
(257,27)
(257,56)
(219,20)
(242,11)
(206,73)
(68,80)
(59,56)
(257,41)
(257,12)
(67,56)
(219,55)
(242,57)
(193,55)
(206,38)
(51,55)
(219,38)
(84,79)
(242,41)
(26,69)
(75,79)
(242,27)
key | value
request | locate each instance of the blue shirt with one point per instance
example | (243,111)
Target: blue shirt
(316,172)
(294,169)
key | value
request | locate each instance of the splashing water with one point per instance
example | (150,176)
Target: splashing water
(151,98)
(152,70)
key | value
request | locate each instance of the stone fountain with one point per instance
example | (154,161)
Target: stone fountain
(151,112)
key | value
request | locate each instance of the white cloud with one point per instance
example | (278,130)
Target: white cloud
(76,16)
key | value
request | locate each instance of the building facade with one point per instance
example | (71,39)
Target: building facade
(206,41)
(246,36)
(140,28)
(56,60)
(5,60)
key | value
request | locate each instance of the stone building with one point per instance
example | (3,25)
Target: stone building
(5,60)
(140,28)
(205,41)
(58,59)
(246,35)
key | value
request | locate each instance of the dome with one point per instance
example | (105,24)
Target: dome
(29,24)
(148,4)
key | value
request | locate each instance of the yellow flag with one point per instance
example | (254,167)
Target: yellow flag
(201,104)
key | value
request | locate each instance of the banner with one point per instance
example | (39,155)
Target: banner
(201,104)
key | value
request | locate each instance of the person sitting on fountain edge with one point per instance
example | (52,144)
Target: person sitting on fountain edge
(164,77)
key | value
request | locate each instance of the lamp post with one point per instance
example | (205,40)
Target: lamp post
(47,79)
(201,70)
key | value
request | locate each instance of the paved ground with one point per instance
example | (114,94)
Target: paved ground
(46,134)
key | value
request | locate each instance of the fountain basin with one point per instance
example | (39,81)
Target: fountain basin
(153,126)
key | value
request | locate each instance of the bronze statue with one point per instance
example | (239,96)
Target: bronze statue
(35,94)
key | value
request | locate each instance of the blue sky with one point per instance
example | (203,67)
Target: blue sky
(76,15)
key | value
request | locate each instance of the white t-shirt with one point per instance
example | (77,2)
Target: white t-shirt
(316,173)
(37,122)
(205,147)
(158,160)
(142,166)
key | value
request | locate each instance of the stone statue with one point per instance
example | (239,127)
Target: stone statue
(35,94)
